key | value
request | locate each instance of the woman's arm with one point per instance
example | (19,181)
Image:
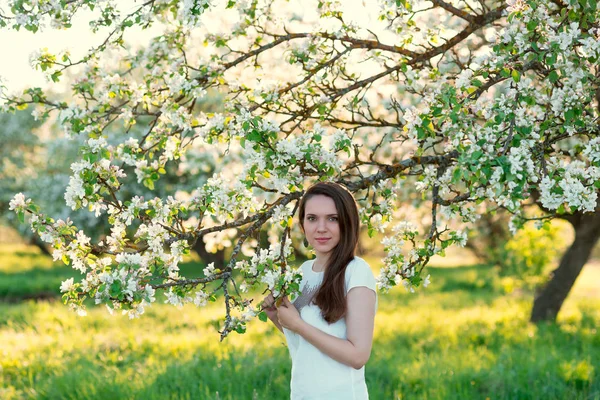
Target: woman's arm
(354,351)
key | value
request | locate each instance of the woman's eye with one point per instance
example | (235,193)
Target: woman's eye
(334,219)
(310,218)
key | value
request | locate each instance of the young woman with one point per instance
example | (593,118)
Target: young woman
(329,327)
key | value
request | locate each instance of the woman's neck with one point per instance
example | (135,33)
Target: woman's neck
(320,263)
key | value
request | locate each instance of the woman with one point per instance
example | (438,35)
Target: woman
(329,327)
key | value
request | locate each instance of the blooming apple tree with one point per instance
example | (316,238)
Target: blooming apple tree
(462,101)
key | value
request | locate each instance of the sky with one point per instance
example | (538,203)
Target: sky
(16,47)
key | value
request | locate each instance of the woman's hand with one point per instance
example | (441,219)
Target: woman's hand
(268,306)
(288,315)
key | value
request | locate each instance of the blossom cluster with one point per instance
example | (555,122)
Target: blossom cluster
(267,267)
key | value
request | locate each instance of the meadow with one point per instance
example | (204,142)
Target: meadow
(467,336)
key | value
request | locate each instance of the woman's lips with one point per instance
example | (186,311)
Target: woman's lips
(323,240)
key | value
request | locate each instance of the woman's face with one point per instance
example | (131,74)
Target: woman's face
(321,225)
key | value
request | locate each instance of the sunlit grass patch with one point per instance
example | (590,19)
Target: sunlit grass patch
(56,350)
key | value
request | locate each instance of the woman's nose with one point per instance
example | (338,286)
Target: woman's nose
(321,226)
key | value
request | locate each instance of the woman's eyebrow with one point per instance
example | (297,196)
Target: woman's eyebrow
(327,215)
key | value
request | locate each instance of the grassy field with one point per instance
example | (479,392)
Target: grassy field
(462,338)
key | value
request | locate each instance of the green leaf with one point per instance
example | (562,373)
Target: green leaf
(254,136)
(115,289)
(569,115)
(476,155)
(90,157)
(149,183)
(516,76)
(56,76)
(240,329)
(263,316)
(457,175)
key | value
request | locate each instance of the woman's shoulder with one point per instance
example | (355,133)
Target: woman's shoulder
(306,265)
(359,273)
(358,266)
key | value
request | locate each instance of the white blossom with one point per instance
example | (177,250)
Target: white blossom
(18,202)
(67,285)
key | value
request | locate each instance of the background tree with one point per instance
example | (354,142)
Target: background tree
(37,159)
(20,162)
(463,101)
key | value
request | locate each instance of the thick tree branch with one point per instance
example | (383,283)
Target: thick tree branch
(459,13)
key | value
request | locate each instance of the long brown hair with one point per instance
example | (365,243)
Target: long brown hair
(331,296)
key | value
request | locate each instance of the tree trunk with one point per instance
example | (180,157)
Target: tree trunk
(40,244)
(550,299)
(218,258)
(491,236)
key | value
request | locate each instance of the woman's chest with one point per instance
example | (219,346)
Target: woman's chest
(311,314)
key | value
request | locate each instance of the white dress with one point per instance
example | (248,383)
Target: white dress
(315,375)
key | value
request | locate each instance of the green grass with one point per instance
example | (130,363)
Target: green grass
(462,338)
(24,273)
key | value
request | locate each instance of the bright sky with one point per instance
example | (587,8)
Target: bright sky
(16,47)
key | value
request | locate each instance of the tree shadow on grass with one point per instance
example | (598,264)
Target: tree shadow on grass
(480,279)
(451,288)
(35,283)
(43,282)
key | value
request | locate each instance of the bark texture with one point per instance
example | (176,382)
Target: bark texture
(550,299)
